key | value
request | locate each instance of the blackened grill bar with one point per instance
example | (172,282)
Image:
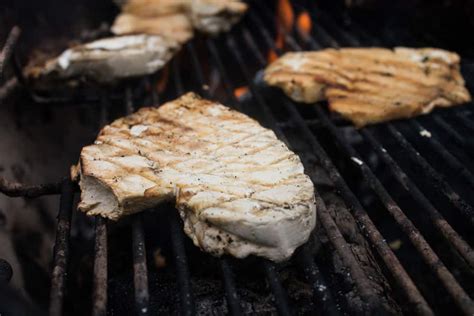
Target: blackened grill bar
(61,249)
(230,48)
(8,48)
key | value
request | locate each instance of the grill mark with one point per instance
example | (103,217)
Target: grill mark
(379,79)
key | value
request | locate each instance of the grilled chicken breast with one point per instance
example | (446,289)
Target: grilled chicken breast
(371,85)
(108,59)
(167,17)
(238,188)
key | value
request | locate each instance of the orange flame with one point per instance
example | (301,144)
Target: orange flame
(285,14)
(285,20)
(238,92)
(304,23)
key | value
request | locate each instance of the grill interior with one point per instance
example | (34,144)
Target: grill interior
(394,204)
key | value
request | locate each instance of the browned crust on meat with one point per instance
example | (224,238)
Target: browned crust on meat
(371,85)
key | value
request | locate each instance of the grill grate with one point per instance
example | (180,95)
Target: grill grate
(338,157)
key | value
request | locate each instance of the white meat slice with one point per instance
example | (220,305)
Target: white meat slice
(110,59)
(208,159)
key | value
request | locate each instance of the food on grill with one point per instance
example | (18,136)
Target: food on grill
(237,187)
(372,85)
(174,26)
(108,59)
(162,16)
(216,16)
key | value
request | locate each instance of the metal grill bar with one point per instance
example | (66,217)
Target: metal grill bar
(99,292)
(429,256)
(150,86)
(15,189)
(448,232)
(450,160)
(61,249)
(184,280)
(225,78)
(177,77)
(279,293)
(8,47)
(232,297)
(187,305)
(8,87)
(100,277)
(197,70)
(453,134)
(140,273)
(465,121)
(324,299)
(365,223)
(439,183)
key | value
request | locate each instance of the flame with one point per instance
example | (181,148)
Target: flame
(284,20)
(163,81)
(272,56)
(304,22)
(285,14)
(238,92)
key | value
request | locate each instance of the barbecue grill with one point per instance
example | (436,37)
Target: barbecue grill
(395,213)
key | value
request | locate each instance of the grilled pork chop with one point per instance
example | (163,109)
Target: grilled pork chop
(238,188)
(371,85)
(108,59)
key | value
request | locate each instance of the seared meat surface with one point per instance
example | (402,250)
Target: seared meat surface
(237,187)
(372,85)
